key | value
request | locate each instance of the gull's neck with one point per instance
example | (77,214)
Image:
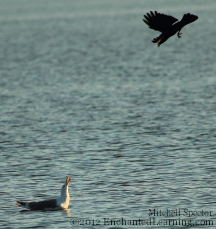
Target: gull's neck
(65,193)
(64,199)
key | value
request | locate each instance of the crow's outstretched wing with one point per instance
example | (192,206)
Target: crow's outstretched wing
(158,21)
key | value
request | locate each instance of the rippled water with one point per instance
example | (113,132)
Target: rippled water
(84,93)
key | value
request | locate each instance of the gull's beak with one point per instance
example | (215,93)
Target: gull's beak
(68,179)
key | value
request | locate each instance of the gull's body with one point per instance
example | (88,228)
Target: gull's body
(61,202)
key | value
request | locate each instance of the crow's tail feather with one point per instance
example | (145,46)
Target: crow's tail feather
(188,18)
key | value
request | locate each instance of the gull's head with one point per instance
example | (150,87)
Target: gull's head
(64,189)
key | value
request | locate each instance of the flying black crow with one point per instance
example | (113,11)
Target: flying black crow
(167,25)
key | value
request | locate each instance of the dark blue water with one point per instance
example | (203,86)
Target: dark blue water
(85,93)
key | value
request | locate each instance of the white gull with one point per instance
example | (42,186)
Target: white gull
(61,202)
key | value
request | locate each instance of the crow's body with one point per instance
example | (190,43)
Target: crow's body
(167,25)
